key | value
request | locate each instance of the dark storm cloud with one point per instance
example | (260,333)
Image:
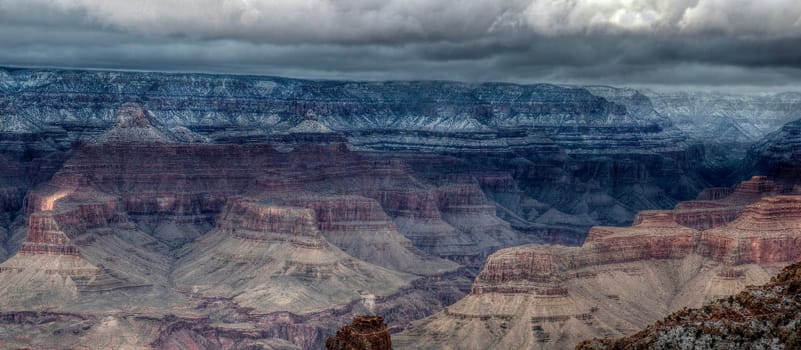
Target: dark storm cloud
(653,42)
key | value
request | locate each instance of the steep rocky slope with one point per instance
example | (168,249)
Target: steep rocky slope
(726,124)
(727,118)
(761,317)
(777,154)
(622,278)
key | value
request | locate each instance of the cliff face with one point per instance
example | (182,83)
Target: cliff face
(777,154)
(271,244)
(621,278)
(563,146)
(760,317)
(727,118)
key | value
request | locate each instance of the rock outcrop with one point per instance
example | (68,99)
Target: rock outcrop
(134,124)
(364,333)
(622,278)
(760,317)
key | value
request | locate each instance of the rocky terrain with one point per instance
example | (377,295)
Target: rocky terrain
(727,124)
(726,117)
(243,239)
(189,211)
(621,278)
(777,154)
(760,317)
(592,158)
(364,333)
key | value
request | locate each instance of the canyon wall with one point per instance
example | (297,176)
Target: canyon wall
(621,278)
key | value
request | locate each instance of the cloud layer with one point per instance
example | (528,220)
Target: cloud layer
(696,42)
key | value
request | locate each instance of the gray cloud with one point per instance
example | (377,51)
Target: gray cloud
(653,42)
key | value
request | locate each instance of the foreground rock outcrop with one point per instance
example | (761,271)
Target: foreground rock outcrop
(622,278)
(761,317)
(364,333)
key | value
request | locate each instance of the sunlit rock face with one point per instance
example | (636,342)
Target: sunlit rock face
(621,278)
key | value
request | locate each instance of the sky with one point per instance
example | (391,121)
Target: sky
(747,44)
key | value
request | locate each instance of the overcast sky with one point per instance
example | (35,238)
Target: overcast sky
(723,43)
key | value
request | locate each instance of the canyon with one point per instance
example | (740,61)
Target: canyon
(191,211)
(621,278)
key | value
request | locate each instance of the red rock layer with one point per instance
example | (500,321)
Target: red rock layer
(407,203)
(655,236)
(767,232)
(252,220)
(345,213)
(63,215)
(718,206)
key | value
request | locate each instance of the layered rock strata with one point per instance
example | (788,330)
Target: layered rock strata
(621,279)
(596,156)
(273,258)
(272,243)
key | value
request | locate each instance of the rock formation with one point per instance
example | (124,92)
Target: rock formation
(245,211)
(727,118)
(760,317)
(235,240)
(595,158)
(622,278)
(273,258)
(777,154)
(134,124)
(364,333)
